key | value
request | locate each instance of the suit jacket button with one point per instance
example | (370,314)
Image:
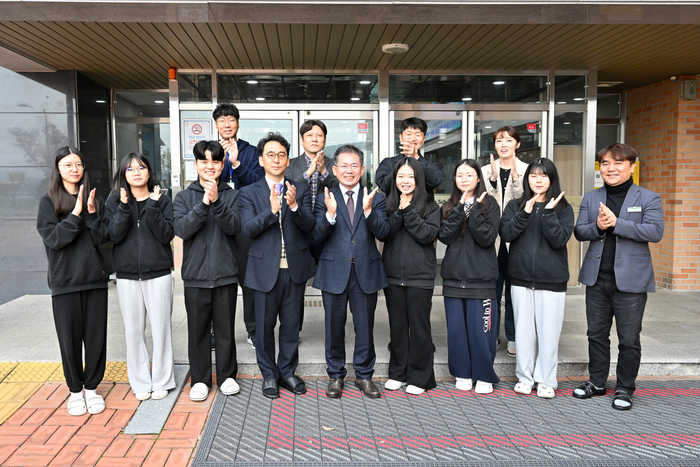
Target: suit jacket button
(602,241)
(598,256)
(352,241)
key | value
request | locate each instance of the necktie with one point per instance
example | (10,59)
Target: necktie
(351,208)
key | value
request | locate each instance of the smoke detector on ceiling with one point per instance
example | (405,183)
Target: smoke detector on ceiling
(396,48)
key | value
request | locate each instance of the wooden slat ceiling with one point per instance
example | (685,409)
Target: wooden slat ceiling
(138,55)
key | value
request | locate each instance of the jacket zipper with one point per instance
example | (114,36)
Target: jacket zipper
(138,227)
(534,252)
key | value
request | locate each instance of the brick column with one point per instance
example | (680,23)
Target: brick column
(665,131)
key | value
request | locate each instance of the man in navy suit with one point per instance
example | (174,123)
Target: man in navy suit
(619,220)
(350,268)
(276,214)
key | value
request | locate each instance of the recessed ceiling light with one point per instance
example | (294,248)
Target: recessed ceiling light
(159,102)
(466,98)
(354,98)
(579,98)
(365,82)
(259,98)
(567,123)
(251,81)
(562,102)
(487,127)
(498,83)
(100,102)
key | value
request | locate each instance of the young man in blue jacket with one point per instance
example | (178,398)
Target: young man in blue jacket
(206,219)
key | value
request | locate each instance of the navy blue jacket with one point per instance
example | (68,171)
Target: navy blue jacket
(250,170)
(263,230)
(345,244)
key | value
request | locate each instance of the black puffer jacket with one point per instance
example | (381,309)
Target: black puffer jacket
(71,242)
(537,254)
(210,258)
(409,250)
(141,241)
(470,260)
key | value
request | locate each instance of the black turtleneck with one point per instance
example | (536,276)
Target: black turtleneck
(615,197)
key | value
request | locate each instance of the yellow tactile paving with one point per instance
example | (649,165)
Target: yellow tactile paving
(13,396)
(7,409)
(116,371)
(31,372)
(6,368)
(57,375)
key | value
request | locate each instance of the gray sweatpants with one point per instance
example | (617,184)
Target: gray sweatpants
(539,317)
(155,297)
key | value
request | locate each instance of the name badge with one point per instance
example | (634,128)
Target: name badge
(233,185)
(634,209)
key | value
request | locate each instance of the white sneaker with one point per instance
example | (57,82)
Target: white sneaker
(414,390)
(142,396)
(230,387)
(483,387)
(199,392)
(510,348)
(251,340)
(158,395)
(464,384)
(393,385)
(544,391)
(523,388)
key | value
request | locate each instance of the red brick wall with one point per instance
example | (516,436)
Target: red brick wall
(665,131)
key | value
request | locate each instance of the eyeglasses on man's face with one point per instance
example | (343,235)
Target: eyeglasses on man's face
(353,167)
(272,156)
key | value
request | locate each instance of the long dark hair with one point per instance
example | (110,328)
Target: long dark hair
(420,195)
(545,167)
(63,201)
(119,180)
(456,193)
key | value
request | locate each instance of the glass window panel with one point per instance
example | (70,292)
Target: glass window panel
(529,129)
(37,92)
(142,104)
(606,135)
(570,89)
(194,87)
(445,89)
(253,130)
(609,105)
(361,89)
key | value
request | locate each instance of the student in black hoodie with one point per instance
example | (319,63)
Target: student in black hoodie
(470,220)
(538,225)
(207,221)
(140,221)
(409,260)
(70,221)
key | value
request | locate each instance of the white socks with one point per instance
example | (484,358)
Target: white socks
(75,395)
(90,393)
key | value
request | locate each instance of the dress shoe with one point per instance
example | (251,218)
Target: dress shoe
(335,388)
(270,389)
(293,384)
(368,388)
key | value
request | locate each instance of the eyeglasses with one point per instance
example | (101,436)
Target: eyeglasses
(354,167)
(468,177)
(78,165)
(272,156)
(229,120)
(139,169)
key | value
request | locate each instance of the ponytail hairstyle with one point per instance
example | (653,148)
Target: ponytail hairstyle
(420,195)
(545,167)
(62,200)
(120,182)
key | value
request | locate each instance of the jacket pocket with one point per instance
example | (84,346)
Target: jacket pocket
(255,253)
(327,255)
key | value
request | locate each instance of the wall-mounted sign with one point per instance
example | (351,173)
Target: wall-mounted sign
(195,130)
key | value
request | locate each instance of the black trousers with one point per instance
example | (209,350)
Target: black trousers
(411,358)
(243,245)
(362,307)
(283,303)
(81,319)
(603,301)
(204,307)
(503,282)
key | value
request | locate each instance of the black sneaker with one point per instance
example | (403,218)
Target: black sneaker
(251,340)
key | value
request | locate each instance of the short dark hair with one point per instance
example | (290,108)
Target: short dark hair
(272,136)
(309,124)
(545,167)
(348,148)
(619,152)
(511,131)
(415,123)
(225,110)
(200,150)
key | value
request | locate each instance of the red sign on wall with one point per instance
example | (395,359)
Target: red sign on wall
(362,127)
(532,127)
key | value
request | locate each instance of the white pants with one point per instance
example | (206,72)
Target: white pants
(155,297)
(539,317)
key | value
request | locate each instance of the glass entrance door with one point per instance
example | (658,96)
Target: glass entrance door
(530,126)
(358,128)
(254,125)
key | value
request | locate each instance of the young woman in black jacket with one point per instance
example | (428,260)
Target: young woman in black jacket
(538,225)
(409,260)
(470,220)
(70,221)
(140,221)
